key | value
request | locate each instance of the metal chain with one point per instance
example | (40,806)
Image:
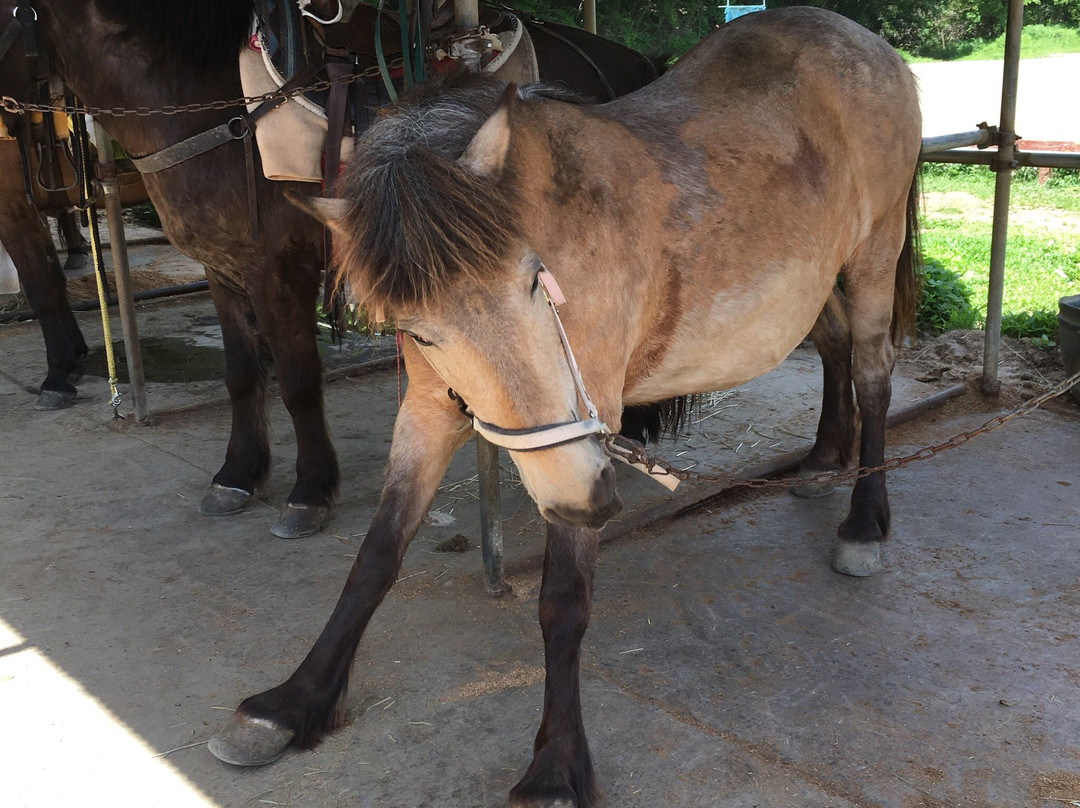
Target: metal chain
(16,107)
(637,455)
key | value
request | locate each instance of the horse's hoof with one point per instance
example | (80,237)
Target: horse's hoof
(812,490)
(76,262)
(221,500)
(298,521)
(52,400)
(75,375)
(249,741)
(858,558)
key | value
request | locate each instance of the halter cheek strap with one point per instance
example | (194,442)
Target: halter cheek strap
(534,438)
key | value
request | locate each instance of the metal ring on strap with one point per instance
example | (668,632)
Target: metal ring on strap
(236,129)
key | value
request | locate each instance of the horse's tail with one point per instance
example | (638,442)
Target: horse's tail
(907,293)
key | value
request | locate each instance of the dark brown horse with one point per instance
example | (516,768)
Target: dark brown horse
(25,235)
(697,229)
(131,53)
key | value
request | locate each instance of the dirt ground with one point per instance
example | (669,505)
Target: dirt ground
(725,664)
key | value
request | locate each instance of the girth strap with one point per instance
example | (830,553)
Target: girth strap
(238,128)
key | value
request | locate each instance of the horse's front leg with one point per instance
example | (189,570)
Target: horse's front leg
(561,772)
(429,428)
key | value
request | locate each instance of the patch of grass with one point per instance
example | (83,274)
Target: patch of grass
(1061,190)
(1040,268)
(1036,42)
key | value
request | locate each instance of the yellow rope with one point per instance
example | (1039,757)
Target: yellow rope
(99,277)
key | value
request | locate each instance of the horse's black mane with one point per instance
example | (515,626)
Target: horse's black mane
(203,34)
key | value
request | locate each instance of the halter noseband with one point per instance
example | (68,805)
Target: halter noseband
(532,439)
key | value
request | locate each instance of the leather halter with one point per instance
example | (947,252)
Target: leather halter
(531,439)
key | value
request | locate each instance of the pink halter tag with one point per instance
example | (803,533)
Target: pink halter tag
(554,293)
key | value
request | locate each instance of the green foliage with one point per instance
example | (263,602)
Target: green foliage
(1042,256)
(946,301)
(940,29)
(652,27)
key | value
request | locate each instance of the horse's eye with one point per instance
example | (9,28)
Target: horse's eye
(419,340)
(536,282)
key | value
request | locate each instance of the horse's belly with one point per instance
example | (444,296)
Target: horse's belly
(731,343)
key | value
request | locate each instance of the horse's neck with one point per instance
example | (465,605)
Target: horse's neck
(108,72)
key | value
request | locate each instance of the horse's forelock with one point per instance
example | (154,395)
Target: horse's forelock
(419,219)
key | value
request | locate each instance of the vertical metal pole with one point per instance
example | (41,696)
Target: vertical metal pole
(122,273)
(590,16)
(491,541)
(1004,166)
(466,13)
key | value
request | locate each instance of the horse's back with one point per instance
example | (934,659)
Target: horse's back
(764,161)
(757,78)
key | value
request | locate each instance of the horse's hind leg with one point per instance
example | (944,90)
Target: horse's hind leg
(561,772)
(869,280)
(77,248)
(835,442)
(247,458)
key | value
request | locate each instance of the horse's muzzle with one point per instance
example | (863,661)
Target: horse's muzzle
(604,504)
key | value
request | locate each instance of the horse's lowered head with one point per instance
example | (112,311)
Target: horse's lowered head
(427,230)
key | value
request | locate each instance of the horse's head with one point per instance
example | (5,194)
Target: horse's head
(427,230)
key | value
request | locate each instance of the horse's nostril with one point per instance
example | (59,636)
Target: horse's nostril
(605,497)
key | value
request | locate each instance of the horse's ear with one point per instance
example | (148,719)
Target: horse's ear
(486,154)
(328,210)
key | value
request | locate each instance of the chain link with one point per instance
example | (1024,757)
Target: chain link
(21,108)
(637,455)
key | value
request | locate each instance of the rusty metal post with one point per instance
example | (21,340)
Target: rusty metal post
(121,272)
(466,14)
(1004,166)
(590,16)
(491,541)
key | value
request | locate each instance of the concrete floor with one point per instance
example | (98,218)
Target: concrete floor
(726,665)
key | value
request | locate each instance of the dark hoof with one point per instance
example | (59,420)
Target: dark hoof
(857,558)
(75,375)
(554,802)
(250,741)
(298,521)
(51,400)
(76,262)
(223,501)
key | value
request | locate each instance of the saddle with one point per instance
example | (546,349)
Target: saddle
(309,136)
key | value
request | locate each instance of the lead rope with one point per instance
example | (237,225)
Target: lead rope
(86,203)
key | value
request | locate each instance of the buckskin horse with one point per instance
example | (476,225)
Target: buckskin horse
(131,53)
(696,229)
